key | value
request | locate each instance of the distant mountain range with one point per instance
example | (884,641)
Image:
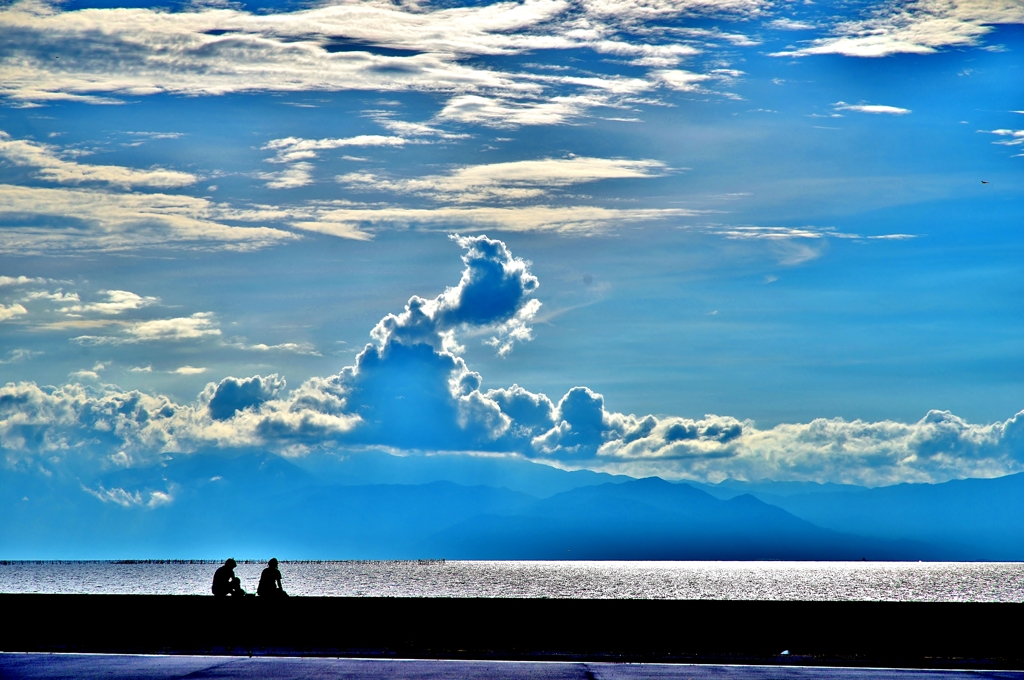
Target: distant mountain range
(372,505)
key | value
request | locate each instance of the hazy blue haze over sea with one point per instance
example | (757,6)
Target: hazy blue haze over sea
(893,581)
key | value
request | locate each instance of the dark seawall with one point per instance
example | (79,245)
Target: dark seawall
(908,634)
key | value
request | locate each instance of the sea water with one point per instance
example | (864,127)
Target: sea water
(893,581)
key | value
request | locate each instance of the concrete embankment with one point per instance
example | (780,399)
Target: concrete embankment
(892,634)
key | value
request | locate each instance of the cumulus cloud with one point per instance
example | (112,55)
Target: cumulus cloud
(52,167)
(915,27)
(232,395)
(871,108)
(190,370)
(939,447)
(411,389)
(493,293)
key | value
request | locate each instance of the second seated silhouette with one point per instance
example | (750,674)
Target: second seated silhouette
(270,581)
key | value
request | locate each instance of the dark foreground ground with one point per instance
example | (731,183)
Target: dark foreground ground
(93,667)
(878,634)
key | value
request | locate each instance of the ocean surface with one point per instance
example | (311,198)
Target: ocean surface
(893,581)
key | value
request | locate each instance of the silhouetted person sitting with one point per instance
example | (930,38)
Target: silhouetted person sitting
(270,582)
(225,582)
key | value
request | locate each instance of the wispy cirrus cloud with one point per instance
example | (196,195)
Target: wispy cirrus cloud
(515,180)
(1009,137)
(578,219)
(291,149)
(97,220)
(193,327)
(21,280)
(529,185)
(370,45)
(915,27)
(294,176)
(118,302)
(51,167)
(12,311)
(871,108)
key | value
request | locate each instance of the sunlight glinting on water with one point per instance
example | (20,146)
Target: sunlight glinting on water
(891,581)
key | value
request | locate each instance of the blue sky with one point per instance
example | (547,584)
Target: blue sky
(704,238)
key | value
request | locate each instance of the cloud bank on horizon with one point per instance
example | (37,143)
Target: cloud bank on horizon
(411,390)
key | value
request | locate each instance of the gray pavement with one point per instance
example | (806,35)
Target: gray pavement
(144,667)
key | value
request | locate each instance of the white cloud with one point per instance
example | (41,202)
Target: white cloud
(871,108)
(684,81)
(291,149)
(419,394)
(291,347)
(405,129)
(292,177)
(350,222)
(17,355)
(109,54)
(129,499)
(645,10)
(198,325)
(141,369)
(20,280)
(126,221)
(189,370)
(1013,137)
(793,245)
(790,25)
(513,181)
(118,301)
(937,448)
(11,311)
(503,112)
(53,168)
(140,52)
(916,27)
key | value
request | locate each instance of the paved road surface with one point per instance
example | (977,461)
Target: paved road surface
(107,666)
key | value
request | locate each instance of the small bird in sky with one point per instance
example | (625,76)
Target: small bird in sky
(984,182)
